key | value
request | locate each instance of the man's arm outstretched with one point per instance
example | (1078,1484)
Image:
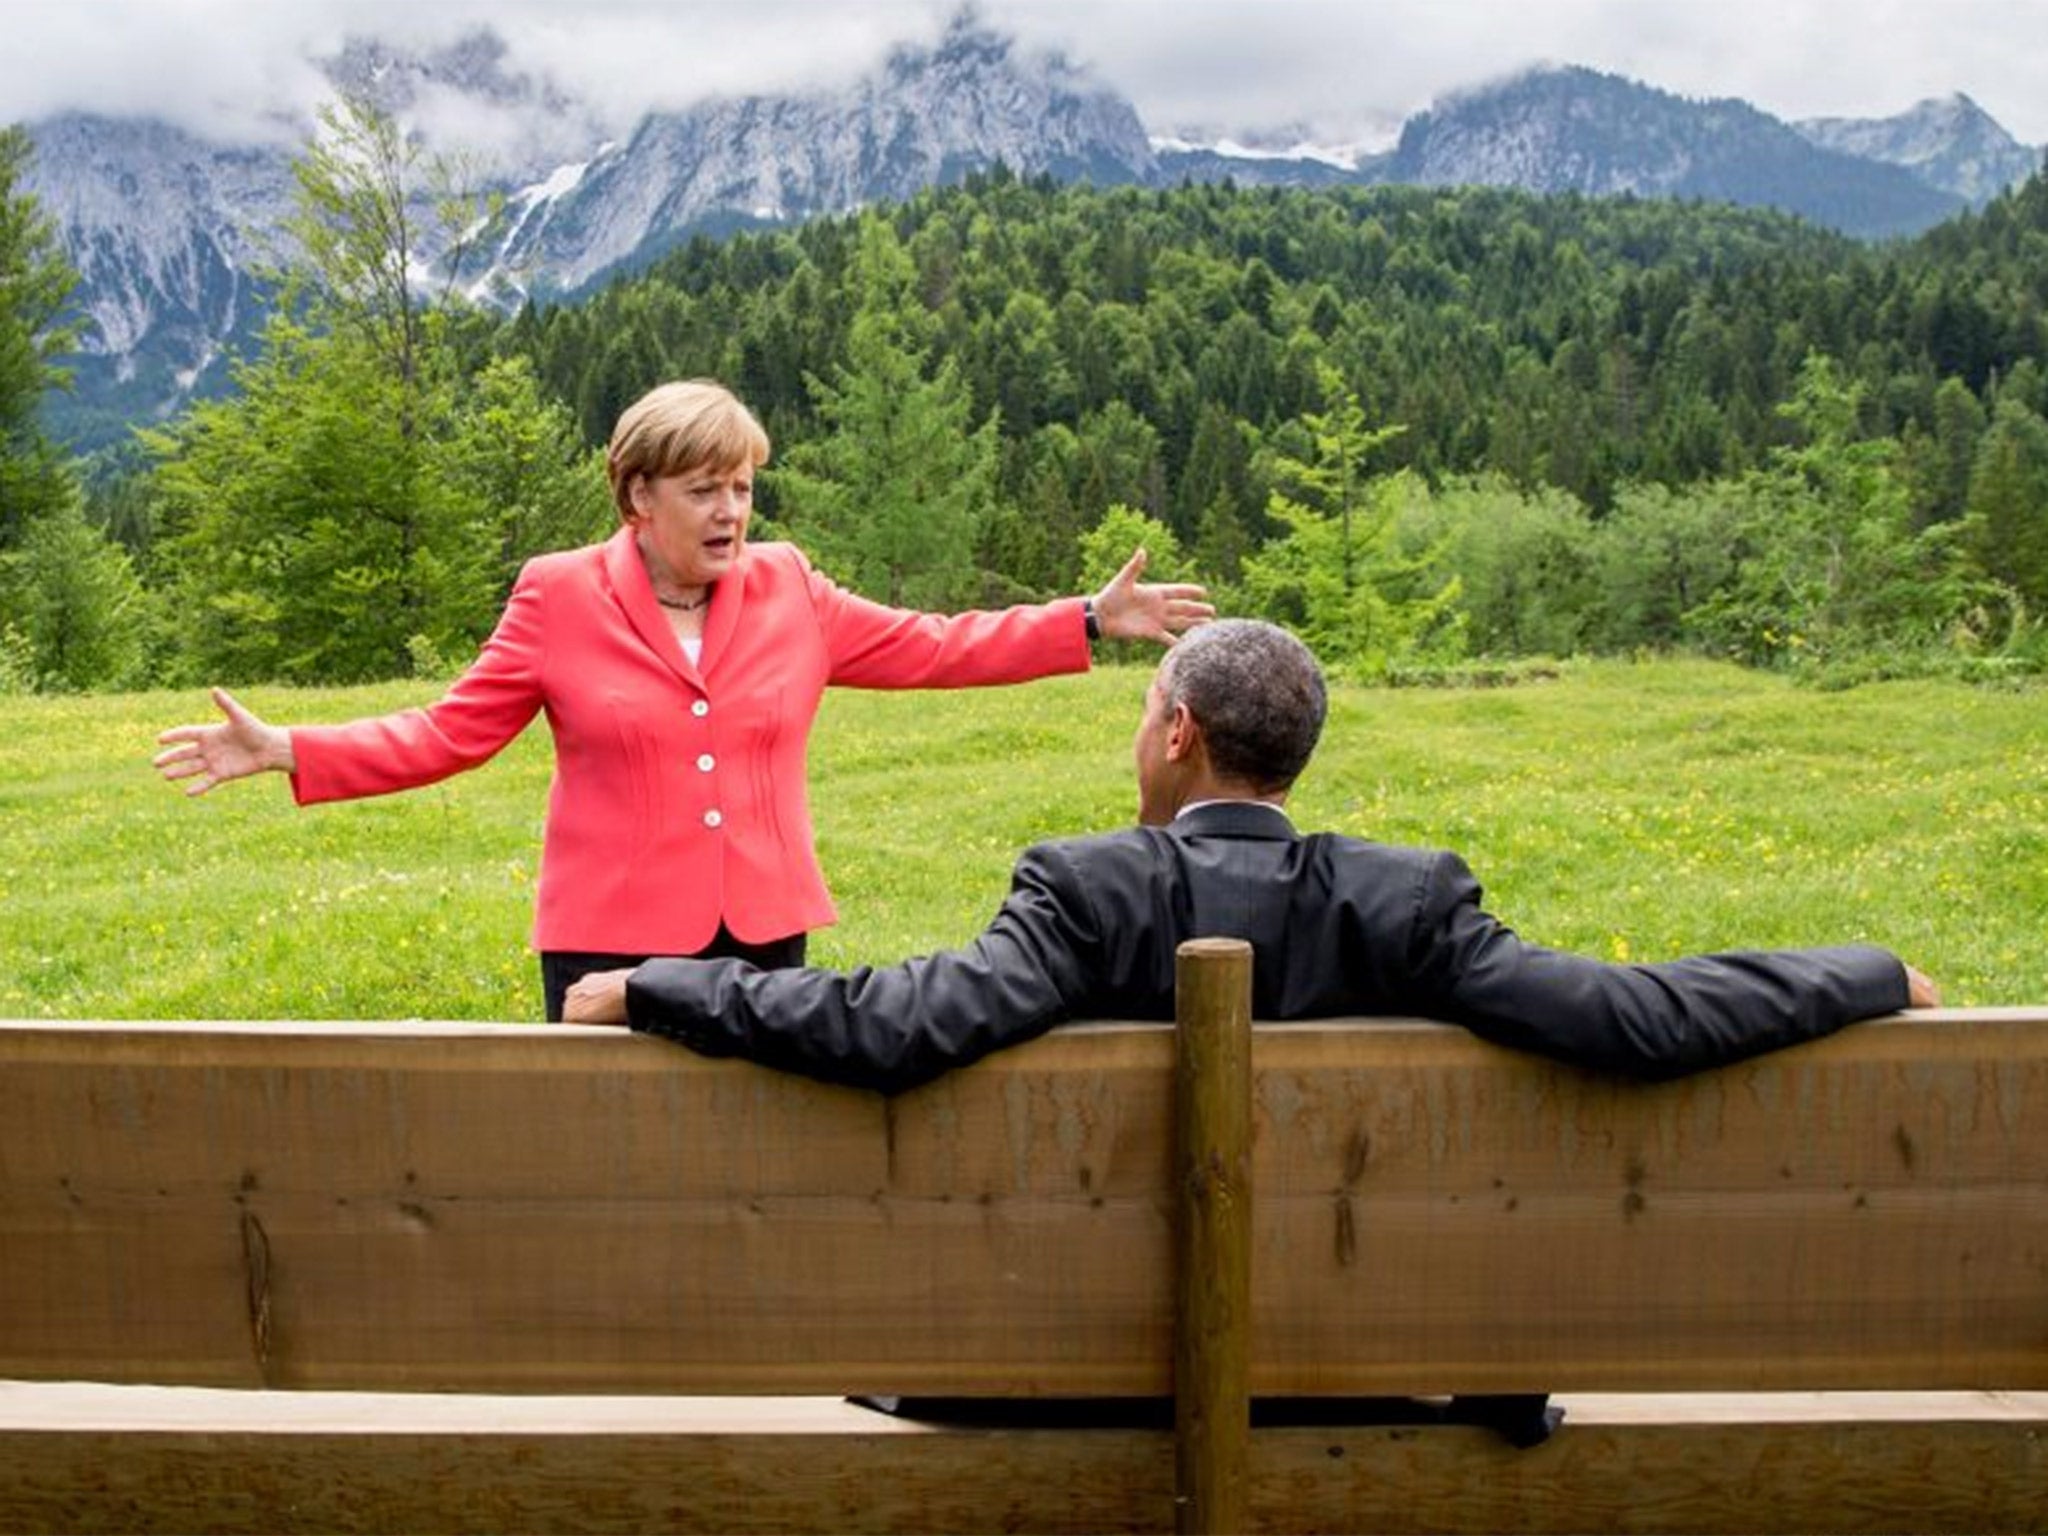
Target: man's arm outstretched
(887,1028)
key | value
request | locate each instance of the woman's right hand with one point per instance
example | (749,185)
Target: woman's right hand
(214,754)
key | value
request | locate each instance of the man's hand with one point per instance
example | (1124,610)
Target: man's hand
(599,998)
(1921,992)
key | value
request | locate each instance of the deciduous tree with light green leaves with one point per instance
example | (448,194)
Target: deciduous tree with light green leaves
(359,509)
(311,537)
(1522,560)
(1107,548)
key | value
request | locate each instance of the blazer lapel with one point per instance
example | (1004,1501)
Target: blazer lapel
(635,596)
(727,598)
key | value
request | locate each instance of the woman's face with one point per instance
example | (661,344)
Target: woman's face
(693,525)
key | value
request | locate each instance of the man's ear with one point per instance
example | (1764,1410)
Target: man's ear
(1183,734)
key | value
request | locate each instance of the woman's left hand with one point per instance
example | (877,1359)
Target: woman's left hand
(1128,609)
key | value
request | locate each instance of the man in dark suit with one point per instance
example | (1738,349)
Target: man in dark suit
(1338,926)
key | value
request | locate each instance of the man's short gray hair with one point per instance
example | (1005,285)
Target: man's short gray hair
(1256,692)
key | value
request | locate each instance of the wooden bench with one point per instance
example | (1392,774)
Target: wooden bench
(653,1276)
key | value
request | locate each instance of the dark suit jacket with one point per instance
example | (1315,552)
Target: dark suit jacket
(1338,927)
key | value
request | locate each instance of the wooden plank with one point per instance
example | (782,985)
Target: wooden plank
(1212,1239)
(146,1460)
(525,1209)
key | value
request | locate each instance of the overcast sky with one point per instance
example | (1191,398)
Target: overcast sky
(1343,67)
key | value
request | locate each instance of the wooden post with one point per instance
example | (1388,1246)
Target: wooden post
(1212,1235)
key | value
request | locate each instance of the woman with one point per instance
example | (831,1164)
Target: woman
(680,669)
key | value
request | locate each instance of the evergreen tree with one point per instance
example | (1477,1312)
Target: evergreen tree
(1218,469)
(1029,547)
(1221,544)
(1337,573)
(1117,459)
(2009,503)
(1138,348)
(76,607)
(35,283)
(893,500)
(520,455)
(73,614)
(1938,464)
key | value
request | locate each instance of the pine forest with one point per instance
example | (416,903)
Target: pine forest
(1440,433)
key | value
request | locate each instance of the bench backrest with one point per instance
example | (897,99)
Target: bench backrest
(496,1208)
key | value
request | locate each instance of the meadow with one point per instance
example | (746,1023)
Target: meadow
(1632,811)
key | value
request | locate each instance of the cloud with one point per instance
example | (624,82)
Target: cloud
(1337,62)
(231,68)
(628,58)
(204,64)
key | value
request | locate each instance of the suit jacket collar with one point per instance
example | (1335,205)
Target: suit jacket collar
(1234,818)
(627,575)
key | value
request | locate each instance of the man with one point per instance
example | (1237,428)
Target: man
(1338,927)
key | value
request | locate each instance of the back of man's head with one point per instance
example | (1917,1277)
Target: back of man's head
(1257,694)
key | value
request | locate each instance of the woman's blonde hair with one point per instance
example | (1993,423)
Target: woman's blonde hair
(677,427)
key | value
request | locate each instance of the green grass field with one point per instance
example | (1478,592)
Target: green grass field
(1628,812)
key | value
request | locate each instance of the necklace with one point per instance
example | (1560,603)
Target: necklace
(680,606)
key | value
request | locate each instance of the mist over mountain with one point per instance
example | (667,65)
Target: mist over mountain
(929,117)
(464,99)
(167,229)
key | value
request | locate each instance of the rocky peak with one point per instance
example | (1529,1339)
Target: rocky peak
(165,228)
(396,79)
(1945,141)
(1572,129)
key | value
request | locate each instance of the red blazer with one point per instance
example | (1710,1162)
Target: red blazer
(680,795)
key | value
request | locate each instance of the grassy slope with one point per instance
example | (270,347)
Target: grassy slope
(1627,811)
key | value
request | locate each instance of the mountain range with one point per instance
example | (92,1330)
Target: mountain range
(167,228)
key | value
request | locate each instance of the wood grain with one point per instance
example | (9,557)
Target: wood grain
(1212,1266)
(526,1209)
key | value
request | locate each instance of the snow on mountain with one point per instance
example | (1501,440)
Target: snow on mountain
(166,229)
(930,116)
(1342,157)
(463,98)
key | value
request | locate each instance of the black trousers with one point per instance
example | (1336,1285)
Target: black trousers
(560,969)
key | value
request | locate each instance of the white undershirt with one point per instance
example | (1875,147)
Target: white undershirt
(693,647)
(1196,805)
